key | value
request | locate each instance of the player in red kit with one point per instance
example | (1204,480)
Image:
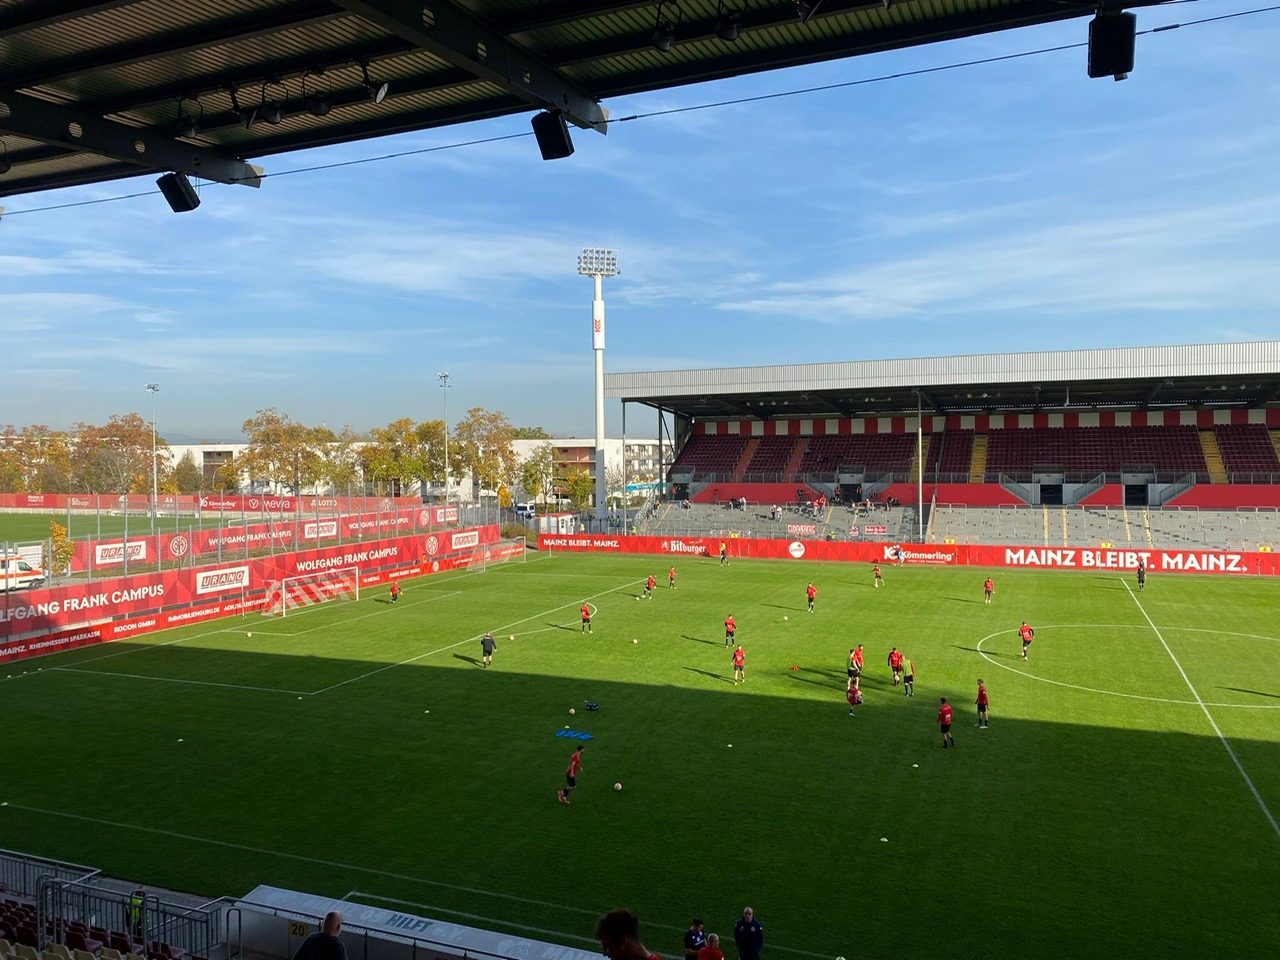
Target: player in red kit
(895,664)
(586,617)
(1027,635)
(648,587)
(879,577)
(983,702)
(854,696)
(944,724)
(730,628)
(855,667)
(395,592)
(671,578)
(739,664)
(988,588)
(571,774)
(811,592)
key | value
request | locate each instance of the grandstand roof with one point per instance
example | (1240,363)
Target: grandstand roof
(1206,375)
(95,90)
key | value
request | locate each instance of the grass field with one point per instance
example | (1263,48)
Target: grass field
(1119,803)
(25,527)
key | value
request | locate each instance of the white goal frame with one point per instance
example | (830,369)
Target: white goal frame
(308,589)
(482,556)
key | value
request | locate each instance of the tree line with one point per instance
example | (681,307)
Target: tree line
(288,455)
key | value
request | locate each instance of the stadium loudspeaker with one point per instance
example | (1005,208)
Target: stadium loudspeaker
(1111,42)
(552,135)
(178,191)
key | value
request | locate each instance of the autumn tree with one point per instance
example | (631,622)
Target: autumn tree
(340,460)
(529,433)
(537,474)
(188,478)
(398,453)
(46,458)
(484,438)
(115,457)
(282,451)
(59,549)
(581,487)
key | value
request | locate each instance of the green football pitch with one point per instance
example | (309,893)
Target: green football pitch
(1121,801)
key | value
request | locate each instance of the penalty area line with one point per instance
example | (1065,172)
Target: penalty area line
(1208,715)
(196,683)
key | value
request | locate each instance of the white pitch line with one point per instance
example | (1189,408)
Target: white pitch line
(373,871)
(1208,716)
(1114,693)
(507,626)
(197,683)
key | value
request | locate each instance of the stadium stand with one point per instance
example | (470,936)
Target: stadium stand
(1247,453)
(710,458)
(876,454)
(771,457)
(1087,452)
(950,455)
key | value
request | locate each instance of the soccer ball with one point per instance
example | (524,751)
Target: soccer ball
(634,640)
(511,636)
(637,598)
(249,634)
(572,711)
(786,618)
(617,786)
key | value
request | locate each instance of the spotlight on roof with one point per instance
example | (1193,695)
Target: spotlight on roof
(806,10)
(178,191)
(664,29)
(318,105)
(318,101)
(727,26)
(377,92)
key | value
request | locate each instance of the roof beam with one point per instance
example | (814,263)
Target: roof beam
(48,13)
(457,38)
(48,123)
(185,40)
(928,397)
(1154,392)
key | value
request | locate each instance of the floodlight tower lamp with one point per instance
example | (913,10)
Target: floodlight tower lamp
(443,379)
(153,389)
(598,263)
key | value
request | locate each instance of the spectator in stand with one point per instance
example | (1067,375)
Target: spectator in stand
(324,944)
(619,934)
(712,950)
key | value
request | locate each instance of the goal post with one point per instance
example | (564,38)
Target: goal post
(292,593)
(486,555)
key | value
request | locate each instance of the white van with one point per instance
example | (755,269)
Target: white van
(17,574)
(526,511)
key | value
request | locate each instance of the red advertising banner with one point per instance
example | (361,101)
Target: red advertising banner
(57,618)
(1040,558)
(169,503)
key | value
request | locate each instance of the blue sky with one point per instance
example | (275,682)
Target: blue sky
(1004,207)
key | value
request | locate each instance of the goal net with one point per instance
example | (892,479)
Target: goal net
(291,593)
(487,555)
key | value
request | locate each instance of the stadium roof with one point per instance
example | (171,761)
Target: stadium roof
(95,90)
(1208,375)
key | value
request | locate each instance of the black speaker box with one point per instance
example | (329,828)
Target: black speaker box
(1111,42)
(552,134)
(178,191)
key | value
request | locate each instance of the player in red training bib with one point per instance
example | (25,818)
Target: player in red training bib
(879,577)
(1027,635)
(671,578)
(586,617)
(944,724)
(983,702)
(854,696)
(855,667)
(739,664)
(648,587)
(811,593)
(988,588)
(571,774)
(895,664)
(730,628)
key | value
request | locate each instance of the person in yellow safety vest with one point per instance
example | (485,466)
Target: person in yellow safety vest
(133,911)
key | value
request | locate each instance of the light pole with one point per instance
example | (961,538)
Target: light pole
(598,263)
(443,379)
(153,389)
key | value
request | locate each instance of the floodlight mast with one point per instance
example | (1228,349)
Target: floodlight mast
(443,379)
(598,263)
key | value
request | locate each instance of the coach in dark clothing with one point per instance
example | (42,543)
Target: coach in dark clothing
(748,935)
(324,943)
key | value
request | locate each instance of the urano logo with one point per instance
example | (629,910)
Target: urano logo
(220,581)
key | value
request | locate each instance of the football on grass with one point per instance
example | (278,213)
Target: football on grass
(617,786)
